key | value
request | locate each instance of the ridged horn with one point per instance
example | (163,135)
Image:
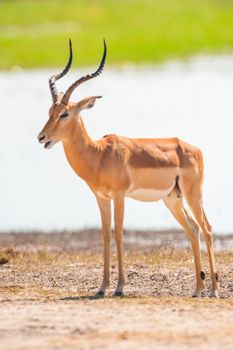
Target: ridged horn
(69,91)
(55,77)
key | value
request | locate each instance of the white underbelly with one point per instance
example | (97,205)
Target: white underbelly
(148,195)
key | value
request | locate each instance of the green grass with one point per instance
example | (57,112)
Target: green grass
(35,33)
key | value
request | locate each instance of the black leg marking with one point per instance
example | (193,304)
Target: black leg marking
(100,294)
(202,275)
(216,276)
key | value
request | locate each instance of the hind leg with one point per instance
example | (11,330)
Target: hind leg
(193,196)
(174,203)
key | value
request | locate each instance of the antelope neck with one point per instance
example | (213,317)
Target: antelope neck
(80,150)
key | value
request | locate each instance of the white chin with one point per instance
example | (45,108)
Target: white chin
(49,145)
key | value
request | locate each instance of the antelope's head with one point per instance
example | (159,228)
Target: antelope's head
(63,113)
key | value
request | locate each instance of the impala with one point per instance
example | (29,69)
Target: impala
(116,167)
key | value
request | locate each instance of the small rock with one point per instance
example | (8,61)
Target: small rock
(3,261)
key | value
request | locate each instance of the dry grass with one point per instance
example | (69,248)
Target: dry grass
(47,299)
(52,274)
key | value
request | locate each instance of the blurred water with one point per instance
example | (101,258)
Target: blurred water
(191,100)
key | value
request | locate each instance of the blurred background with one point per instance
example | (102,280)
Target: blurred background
(169,72)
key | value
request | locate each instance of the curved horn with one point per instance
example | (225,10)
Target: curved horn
(55,77)
(68,93)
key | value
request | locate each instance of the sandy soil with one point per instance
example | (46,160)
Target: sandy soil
(48,282)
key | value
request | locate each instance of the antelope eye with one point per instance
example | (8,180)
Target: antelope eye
(64,115)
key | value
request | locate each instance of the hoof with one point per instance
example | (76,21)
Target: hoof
(118,293)
(100,294)
(197,294)
(214,294)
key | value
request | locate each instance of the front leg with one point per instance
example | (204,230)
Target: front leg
(105,211)
(118,232)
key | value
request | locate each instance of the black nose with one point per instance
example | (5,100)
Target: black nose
(41,138)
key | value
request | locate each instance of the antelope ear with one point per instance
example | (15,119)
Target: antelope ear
(86,103)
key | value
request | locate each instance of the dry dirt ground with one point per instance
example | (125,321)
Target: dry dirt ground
(48,282)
